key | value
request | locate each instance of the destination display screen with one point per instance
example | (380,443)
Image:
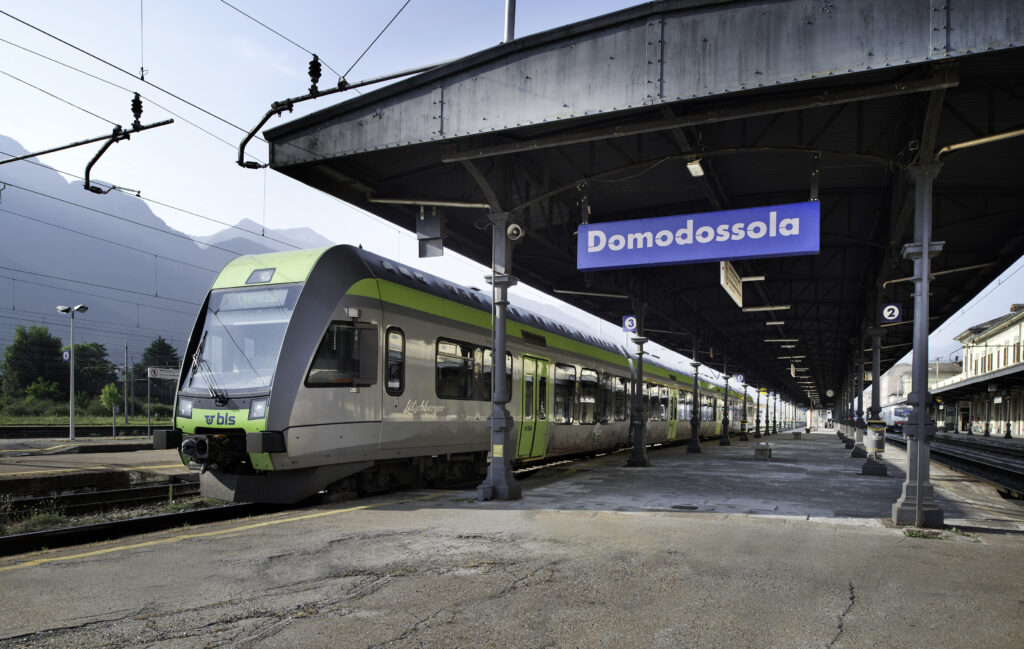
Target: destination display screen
(254,298)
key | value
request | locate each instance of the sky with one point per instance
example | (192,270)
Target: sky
(208,53)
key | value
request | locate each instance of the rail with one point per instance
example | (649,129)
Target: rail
(996,462)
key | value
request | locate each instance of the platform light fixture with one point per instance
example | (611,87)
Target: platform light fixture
(775,323)
(693,166)
(756,309)
(81,308)
(788,346)
(782,340)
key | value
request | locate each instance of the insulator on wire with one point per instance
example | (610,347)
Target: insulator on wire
(137,110)
(314,73)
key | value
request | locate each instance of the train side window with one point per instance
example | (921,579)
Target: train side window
(607,398)
(685,405)
(484,356)
(347,356)
(663,397)
(527,395)
(620,399)
(454,370)
(588,396)
(542,397)
(565,385)
(651,401)
(394,367)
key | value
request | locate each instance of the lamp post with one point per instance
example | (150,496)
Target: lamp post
(68,309)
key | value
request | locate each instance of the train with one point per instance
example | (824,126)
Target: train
(339,371)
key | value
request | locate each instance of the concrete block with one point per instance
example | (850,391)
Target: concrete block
(763,451)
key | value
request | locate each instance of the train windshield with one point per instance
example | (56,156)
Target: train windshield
(243,330)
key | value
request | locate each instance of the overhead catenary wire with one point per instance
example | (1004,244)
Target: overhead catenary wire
(122,70)
(94,284)
(162,204)
(120,87)
(115,243)
(96,295)
(46,92)
(360,57)
(125,219)
(271,29)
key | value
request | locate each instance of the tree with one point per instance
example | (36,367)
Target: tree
(160,353)
(110,397)
(93,369)
(34,353)
(43,390)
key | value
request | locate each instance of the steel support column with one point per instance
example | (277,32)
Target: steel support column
(876,426)
(757,414)
(638,422)
(859,425)
(916,505)
(743,421)
(500,484)
(694,446)
(724,441)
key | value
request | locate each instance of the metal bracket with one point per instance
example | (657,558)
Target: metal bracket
(913,250)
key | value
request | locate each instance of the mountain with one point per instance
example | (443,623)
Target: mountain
(139,277)
(250,231)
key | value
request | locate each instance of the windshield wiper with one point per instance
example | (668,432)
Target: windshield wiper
(219,396)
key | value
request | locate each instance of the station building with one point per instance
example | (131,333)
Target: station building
(987,396)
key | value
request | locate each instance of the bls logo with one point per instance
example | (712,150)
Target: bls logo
(222,419)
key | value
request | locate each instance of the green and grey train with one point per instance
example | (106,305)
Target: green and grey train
(337,369)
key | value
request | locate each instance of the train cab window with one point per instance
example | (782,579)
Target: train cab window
(565,387)
(454,370)
(394,364)
(588,396)
(347,356)
(620,399)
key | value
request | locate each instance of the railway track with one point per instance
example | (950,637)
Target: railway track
(32,541)
(92,501)
(997,463)
(57,432)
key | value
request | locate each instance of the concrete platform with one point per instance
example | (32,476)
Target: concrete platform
(708,550)
(44,446)
(34,468)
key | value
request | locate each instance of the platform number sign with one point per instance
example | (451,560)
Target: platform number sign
(629,323)
(66,355)
(892,312)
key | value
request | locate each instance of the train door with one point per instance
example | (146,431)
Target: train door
(532,441)
(673,412)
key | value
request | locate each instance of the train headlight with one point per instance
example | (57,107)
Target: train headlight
(185,408)
(258,409)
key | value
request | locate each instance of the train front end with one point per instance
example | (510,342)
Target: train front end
(225,391)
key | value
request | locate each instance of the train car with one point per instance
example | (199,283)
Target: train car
(895,416)
(336,369)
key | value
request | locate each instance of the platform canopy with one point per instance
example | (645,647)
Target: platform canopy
(781,102)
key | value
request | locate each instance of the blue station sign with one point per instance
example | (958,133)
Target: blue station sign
(749,233)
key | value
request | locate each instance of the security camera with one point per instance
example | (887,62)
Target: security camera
(515,232)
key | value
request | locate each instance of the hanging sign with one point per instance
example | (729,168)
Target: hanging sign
(772,231)
(731,282)
(629,323)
